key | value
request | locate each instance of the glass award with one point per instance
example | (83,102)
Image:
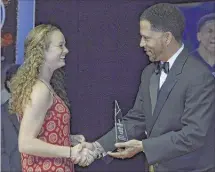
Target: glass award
(121,133)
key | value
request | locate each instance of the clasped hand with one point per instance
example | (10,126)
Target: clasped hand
(80,153)
(84,153)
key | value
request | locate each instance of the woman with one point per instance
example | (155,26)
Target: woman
(44,136)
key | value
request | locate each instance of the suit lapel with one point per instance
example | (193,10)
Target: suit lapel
(153,88)
(14,121)
(147,91)
(167,87)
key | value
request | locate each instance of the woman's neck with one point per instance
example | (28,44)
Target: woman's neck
(46,73)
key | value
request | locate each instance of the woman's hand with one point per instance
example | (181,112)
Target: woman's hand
(82,156)
(87,157)
(75,153)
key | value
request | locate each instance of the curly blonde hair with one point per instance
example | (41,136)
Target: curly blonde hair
(23,81)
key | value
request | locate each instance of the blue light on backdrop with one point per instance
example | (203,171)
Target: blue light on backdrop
(25,22)
(2,14)
(193,12)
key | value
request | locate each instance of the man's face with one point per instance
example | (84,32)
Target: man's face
(206,36)
(151,41)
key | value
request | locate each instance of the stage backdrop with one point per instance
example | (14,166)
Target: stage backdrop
(25,22)
(193,12)
(17,19)
(8,24)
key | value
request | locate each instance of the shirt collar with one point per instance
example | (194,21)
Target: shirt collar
(174,57)
(4,96)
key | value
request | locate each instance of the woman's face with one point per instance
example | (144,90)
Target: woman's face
(56,52)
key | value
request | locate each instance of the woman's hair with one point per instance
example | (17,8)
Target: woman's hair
(58,84)
(22,83)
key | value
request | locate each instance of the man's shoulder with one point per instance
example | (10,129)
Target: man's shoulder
(4,106)
(149,68)
(194,52)
(195,65)
(195,70)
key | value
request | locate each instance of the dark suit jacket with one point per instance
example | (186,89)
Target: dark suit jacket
(10,156)
(179,121)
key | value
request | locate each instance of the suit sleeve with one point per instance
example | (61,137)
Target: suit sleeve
(134,122)
(5,165)
(199,114)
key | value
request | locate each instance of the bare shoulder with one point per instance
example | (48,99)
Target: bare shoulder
(41,94)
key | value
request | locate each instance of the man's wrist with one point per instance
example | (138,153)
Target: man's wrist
(99,150)
(140,146)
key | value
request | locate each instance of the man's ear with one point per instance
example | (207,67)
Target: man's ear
(199,36)
(168,38)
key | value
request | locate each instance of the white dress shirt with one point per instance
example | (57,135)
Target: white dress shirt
(171,62)
(4,96)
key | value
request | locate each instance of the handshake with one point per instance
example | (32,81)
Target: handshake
(84,153)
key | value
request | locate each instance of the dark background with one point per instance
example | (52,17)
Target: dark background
(8,46)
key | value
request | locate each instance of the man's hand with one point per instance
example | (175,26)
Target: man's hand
(131,148)
(87,157)
(76,139)
(88,146)
(88,154)
(96,148)
(151,168)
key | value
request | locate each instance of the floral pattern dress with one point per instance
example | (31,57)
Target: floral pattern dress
(55,130)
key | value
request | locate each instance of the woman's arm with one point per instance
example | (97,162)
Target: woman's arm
(32,121)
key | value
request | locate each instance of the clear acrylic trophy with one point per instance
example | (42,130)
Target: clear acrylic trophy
(121,133)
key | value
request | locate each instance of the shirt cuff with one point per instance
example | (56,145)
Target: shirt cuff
(99,150)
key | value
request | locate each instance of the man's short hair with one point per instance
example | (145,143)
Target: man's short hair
(165,17)
(204,19)
(10,72)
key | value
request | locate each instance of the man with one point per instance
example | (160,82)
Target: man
(174,104)
(206,37)
(10,156)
